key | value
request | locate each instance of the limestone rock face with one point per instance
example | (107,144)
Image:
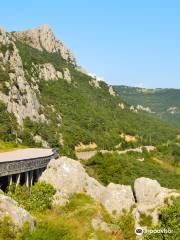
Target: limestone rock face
(68,176)
(39,139)
(18,215)
(67,75)
(4,40)
(146,190)
(65,174)
(21,98)
(150,197)
(42,38)
(48,72)
(111,91)
(94,82)
(116,198)
(94,188)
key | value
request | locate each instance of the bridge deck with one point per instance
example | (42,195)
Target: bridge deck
(23,154)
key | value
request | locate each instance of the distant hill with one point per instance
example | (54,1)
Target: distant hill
(164,103)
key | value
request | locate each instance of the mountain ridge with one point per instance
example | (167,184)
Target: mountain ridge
(162,101)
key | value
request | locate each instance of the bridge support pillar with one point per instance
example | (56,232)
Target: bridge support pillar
(9,180)
(18,178)
(37,174)
(27,179)
(31,178)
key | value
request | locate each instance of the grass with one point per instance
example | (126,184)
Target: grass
(72,222)
(10,146)
(145,220)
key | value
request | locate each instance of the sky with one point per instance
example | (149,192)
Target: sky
(125,42)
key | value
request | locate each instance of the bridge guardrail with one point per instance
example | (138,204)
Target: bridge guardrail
(24,165)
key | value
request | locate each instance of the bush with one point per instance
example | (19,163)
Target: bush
(145,220)
(169,220)
(36,199)
(7,229)
(124,169)
(126,225)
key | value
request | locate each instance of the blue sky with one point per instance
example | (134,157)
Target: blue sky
(130,42)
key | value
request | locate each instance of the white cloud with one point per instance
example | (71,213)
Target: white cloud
(93,75)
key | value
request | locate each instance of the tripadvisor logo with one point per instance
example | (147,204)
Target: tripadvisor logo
(139,231)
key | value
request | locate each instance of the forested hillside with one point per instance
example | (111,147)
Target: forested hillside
(163,103)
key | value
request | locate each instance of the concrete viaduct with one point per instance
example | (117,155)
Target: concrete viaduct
(24,166)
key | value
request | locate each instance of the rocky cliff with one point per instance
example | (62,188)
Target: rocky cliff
(42,38)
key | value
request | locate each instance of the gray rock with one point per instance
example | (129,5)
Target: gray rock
(146,190)
(67,75)
(94,188)
(18,215)
(116,198)
(68,176)
(43,38)
(150,198)
(98,224)
(47,72)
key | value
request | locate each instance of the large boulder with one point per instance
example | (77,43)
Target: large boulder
(117,198)
(150,197)
(150,193)
(146,190)
(68,176)
(94,188)
(18,215)
(65,174)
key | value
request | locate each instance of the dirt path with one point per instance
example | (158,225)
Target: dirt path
(166,165)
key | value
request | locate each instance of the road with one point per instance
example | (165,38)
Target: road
(23,154)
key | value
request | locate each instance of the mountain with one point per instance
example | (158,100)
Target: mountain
(47,99)
(163,103)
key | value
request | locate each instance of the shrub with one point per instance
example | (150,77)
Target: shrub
(169,220)
(36,199)
(126,225)
(145,220)
(7,229)
(124,169)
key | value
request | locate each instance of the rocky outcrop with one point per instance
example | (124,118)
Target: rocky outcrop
(68,176)
(67,75)
(42,38)
(40,140)
(18,215)
(111,91)
(94,82)
(121,105)
(47,72)
(150,197)
(117,197)
(21,98)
